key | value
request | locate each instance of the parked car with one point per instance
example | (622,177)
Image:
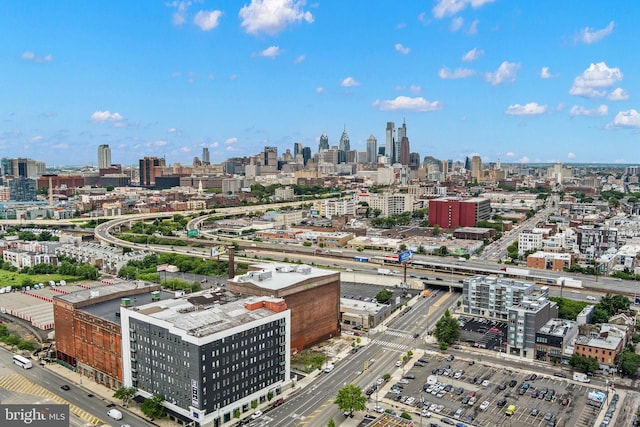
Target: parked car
(484,405)
(501,403)
(258,414)
(535,412)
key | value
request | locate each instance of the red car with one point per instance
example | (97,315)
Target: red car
(278,402)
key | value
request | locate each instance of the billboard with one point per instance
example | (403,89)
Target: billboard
(192,233)
(404,256)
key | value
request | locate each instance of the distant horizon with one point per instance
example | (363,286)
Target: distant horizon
(533,165)
(524,82)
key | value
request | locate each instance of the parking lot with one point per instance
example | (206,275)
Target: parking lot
(476,393)
(483,333)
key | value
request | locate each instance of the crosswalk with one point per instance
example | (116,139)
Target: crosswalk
(19,384)
(393,345)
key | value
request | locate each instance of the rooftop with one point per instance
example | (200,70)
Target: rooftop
(557,327)
(609,343)
(280,276)
(206,312)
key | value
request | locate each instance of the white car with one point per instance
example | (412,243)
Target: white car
(484,405)
(380,381)
(378,409)
(591,298)
(485,383)
(425,413)
(399,363)
(410,401)
(256,415)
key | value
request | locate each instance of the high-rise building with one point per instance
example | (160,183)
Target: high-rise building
(5,164)
(476,168)
(404,151)
(414,161)
(306,154)
(206,160)
(452,213)
(104,156)
(210,355)
(345,144)
(402,133)
(22,189)
(324,142)
(372,149)
(390,142)
(150,168)
(297,149)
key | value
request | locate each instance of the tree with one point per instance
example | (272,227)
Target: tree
(421,250)
(152,407)
(384,296)
(583,363)
(403,247)
(436,230)
(331,423)
(405,415)
(350,397)
(447,329)
(125,394)
(629,362)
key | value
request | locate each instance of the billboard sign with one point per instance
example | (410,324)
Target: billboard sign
(192,233)
(404,256)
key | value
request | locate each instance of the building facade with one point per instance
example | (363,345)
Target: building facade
(210,355)
(312,295)
(553,338)
(451,213)
(492,297)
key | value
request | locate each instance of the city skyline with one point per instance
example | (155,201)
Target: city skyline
(509,81)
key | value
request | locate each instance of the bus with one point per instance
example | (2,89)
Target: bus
(23,362)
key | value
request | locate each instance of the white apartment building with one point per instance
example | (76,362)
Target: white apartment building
(529,240)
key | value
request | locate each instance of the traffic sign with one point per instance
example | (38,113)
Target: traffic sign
(404,256)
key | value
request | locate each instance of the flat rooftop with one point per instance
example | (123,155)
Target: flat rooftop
(206,312)
(101,291)
(280,276)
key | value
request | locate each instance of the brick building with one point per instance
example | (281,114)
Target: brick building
(87,325)
(312,295)
(453,212)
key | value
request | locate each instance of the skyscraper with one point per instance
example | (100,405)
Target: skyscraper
(476,168)
(297,149)
(402,133)
(404,151)
(104,156)
(372,149)
(324,142)
(345,144)
(306,154)
(389,142)
(205,156)
(150,168)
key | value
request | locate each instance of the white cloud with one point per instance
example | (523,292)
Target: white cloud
(571,155)
(231,140)
(214,144)
(319,89)
(530,109)
(299,59)
(207,19)
(588,35)
(158,143)
(626,119)
(618,94)
(185,149)
(172,130)
(546,74)
(506,72)
(349,82)
(179,16)
(451,7)
(592,82)
(456,24)
(272,16)
(423,18)
(459,73)
(36,138)
(510,154)
(270,52)
(415,89)
(405,103)
(473,55)
(473,28)
(401,49)
(106,116)
(523,159)
(576,110)
(30,56)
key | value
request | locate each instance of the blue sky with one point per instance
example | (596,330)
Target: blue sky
(515,80)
